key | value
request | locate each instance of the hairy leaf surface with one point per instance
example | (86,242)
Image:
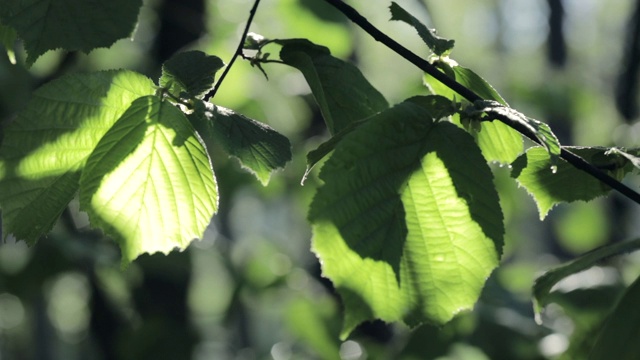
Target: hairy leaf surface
(45,148)
(69,24)
(341,91)
(149,183)
(259,148)
(407,224)
(192,72)
(533,171)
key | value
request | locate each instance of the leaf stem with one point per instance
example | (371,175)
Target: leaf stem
(238,52)
(575,160)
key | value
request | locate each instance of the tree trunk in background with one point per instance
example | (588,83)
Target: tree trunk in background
(556,44)
(627,85)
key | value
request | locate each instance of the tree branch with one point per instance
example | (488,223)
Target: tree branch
(238,52)
(575,160)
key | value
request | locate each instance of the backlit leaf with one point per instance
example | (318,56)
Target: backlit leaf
(259,148)
(69,24)
(340,89)
(533,170)
(45,148)
(540,130)
(437,106)
(149,183)
(440,46)
(407,224)
(192,72)
(497,141)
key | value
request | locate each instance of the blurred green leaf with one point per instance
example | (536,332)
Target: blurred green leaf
(260,149)
(544,283)
(341,91)
(192,72)
(46,147)
(618,339)
(587,308)
(69,24)
(583,227)
(311,322)
(437,236)
(8,38)
(149,182)
(440,46)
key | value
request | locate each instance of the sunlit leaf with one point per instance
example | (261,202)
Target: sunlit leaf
(540,130)
(69,24)
(340,89)
(544,283)
(407,224)
(440,46)
(437,106)
(45,148)
(259,148)
(254,41)
(497,141)
(149,183)
(477,84)
(192,72)
(618,339)
(631,155)
(533,170)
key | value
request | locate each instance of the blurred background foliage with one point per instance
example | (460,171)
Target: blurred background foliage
(251,289)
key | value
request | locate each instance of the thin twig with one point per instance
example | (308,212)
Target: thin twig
(238,52)
(575,160)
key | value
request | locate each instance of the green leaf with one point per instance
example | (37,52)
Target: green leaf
(254,41)
(192,72)
(69,24)
(259,148)
(544,283)
(533,170)
(440,46)
(539,129)
(407,224)
(438,107)
(341,91)
(618,339)
(45,148)
(477,84)
(497,141)
(324,149)
(630,155)
(7,40)
(311,321)
(149,183)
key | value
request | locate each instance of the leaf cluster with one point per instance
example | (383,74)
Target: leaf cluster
(407,221)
